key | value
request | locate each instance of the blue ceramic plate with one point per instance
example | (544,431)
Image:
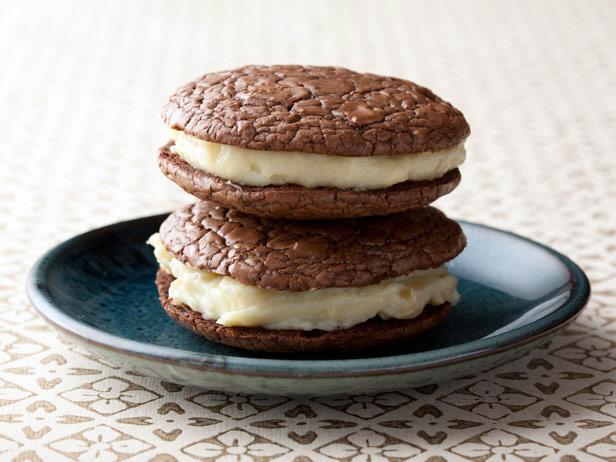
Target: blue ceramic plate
(98,289)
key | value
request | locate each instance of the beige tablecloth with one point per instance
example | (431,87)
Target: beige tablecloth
(81,87)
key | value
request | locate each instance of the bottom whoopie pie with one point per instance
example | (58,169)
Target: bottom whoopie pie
(284,286)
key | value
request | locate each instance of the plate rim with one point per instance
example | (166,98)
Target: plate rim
(304,368)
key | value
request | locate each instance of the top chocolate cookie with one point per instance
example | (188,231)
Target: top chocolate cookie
(312,109)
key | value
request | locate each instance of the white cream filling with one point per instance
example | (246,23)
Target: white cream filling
(231,303)
(261,168)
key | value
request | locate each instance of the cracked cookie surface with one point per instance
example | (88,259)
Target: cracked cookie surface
(303,255)
(323,110)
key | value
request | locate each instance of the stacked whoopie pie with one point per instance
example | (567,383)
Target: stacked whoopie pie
(312,232)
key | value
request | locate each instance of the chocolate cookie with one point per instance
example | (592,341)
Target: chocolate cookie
(323,110)
(328,111)
(369,334)
(298,256)
(297,202)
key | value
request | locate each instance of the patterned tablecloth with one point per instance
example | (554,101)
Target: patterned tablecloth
(81,87)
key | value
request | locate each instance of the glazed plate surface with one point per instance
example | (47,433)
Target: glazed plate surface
(98,290)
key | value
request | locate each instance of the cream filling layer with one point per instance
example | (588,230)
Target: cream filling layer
(261,168)
(231,303)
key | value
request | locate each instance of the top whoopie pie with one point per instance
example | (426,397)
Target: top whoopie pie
(306,142)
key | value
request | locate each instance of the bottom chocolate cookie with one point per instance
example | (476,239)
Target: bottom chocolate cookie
(299,203)
(373,333)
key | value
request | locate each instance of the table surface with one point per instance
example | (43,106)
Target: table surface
(81,88)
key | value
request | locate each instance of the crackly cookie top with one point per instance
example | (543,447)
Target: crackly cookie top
(297,256)
(324,110)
